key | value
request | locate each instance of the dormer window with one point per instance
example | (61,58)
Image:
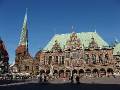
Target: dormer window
(93,44)
(56,47)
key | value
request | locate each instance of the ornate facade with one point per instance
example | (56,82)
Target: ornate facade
(75,58)
(84,53)
(4,58)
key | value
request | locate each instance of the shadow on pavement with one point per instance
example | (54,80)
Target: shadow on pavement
(45,86)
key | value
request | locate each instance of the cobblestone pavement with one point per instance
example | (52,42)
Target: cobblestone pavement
(101,80)
(20,83)
(59,81)
(38,86)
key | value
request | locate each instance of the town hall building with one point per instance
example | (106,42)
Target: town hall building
(83,54)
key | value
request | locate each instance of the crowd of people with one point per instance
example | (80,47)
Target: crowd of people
(45,78)
(14,77)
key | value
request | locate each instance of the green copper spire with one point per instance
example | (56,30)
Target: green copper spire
(24,33)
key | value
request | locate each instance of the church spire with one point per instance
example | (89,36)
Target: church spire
(24,33)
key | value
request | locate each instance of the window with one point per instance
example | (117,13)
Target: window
(106,57)
(100,58)
(56,59)
(86,57)
(26,68)
(37,67)
(74,55)
(94,58)
(62,62)
(67,63)
(49,60)
(78,55)
(68,55)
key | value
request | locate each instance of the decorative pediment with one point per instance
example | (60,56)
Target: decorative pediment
(56,46)
(93,44)
(73,42)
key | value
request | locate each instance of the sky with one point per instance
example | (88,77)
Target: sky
(49,17)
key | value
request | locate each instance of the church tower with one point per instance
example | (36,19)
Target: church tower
(23,43)
(23,60)
(24,34)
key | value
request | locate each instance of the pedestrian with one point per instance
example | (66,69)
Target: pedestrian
(72,79)
(77,80)
(40,79)
(113,76)
(45,78)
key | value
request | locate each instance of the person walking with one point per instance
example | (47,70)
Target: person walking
(77,79)
(71,79)
(40,79)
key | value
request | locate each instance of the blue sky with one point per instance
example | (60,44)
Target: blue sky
(47,17)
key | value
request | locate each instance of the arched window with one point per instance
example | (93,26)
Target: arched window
(110,70)
(74,72)
(95,70)
(103,71)
(88,71)
(81,71)
(55,71)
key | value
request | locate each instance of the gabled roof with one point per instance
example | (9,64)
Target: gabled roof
(85,38)
(116,50)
